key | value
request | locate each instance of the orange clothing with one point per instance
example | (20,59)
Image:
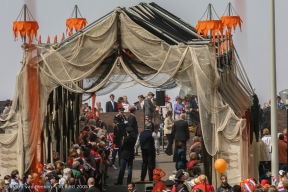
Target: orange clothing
(159,187)
(208,187)
(282,151)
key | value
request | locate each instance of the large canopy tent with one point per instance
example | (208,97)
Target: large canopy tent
(144,44)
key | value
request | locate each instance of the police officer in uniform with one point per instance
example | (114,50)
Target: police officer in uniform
(181,176)
(119,133)
(121,116)
(54,180)
(179,184)
(168,184)
(127,156)
(122,121)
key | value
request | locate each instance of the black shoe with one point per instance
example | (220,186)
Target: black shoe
(137,154)
(118,184)
(107,176)
(106,184)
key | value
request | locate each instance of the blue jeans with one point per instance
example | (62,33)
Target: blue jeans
(123,163)
(114,153)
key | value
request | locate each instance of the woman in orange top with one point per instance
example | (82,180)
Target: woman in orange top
(157,182)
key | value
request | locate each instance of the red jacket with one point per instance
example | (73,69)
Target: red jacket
(159,187)
(282,151)
(209,188)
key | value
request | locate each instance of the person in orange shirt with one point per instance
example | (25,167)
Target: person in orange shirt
(158,184)
(282,151)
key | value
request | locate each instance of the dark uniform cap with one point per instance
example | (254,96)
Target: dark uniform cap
(178,181)
(129,128)
(121,109)
(54,176)
(132,109)
(169,183)
(179,174)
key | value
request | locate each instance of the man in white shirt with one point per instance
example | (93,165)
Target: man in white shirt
(267,140)
(140,103)
(149,143)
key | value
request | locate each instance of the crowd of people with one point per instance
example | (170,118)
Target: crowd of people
(96,150)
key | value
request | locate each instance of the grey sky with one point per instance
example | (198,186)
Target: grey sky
(253,44)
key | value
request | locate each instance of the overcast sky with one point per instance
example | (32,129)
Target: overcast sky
(252,44)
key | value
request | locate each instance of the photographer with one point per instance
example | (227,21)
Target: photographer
(16,182)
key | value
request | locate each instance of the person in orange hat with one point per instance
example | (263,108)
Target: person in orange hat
(158,184)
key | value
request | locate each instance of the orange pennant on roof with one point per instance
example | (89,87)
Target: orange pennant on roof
(231,22)
(206,26)
(63,37)
(25,28)
(75,23)
(39,39)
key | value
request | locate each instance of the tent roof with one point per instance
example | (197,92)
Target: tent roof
(161,23)
(157,21)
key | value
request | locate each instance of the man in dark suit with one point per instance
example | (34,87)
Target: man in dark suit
(127,156)
(132,122)
(72,186)
(28,178)
(148,105)
(148,141)
(91,185)
(111,106)
(180,131)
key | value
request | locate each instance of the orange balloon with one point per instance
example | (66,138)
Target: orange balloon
(220,165)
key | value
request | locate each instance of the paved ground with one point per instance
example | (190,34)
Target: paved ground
(162,161)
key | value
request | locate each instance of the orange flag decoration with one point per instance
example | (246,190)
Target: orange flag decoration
(213,26)
(55,39)
(25,28)
(93,102)
(48,39)
(39,39)
(75,23)
(63,37)
(231,21)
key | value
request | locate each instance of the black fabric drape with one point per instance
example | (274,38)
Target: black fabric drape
(50,102)
(70,123)
(77,108)
(254,119)
(59,97)
(57,134)
(207,162)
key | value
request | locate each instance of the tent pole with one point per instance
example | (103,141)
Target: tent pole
(274,138)
(240,62)
(25,8)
